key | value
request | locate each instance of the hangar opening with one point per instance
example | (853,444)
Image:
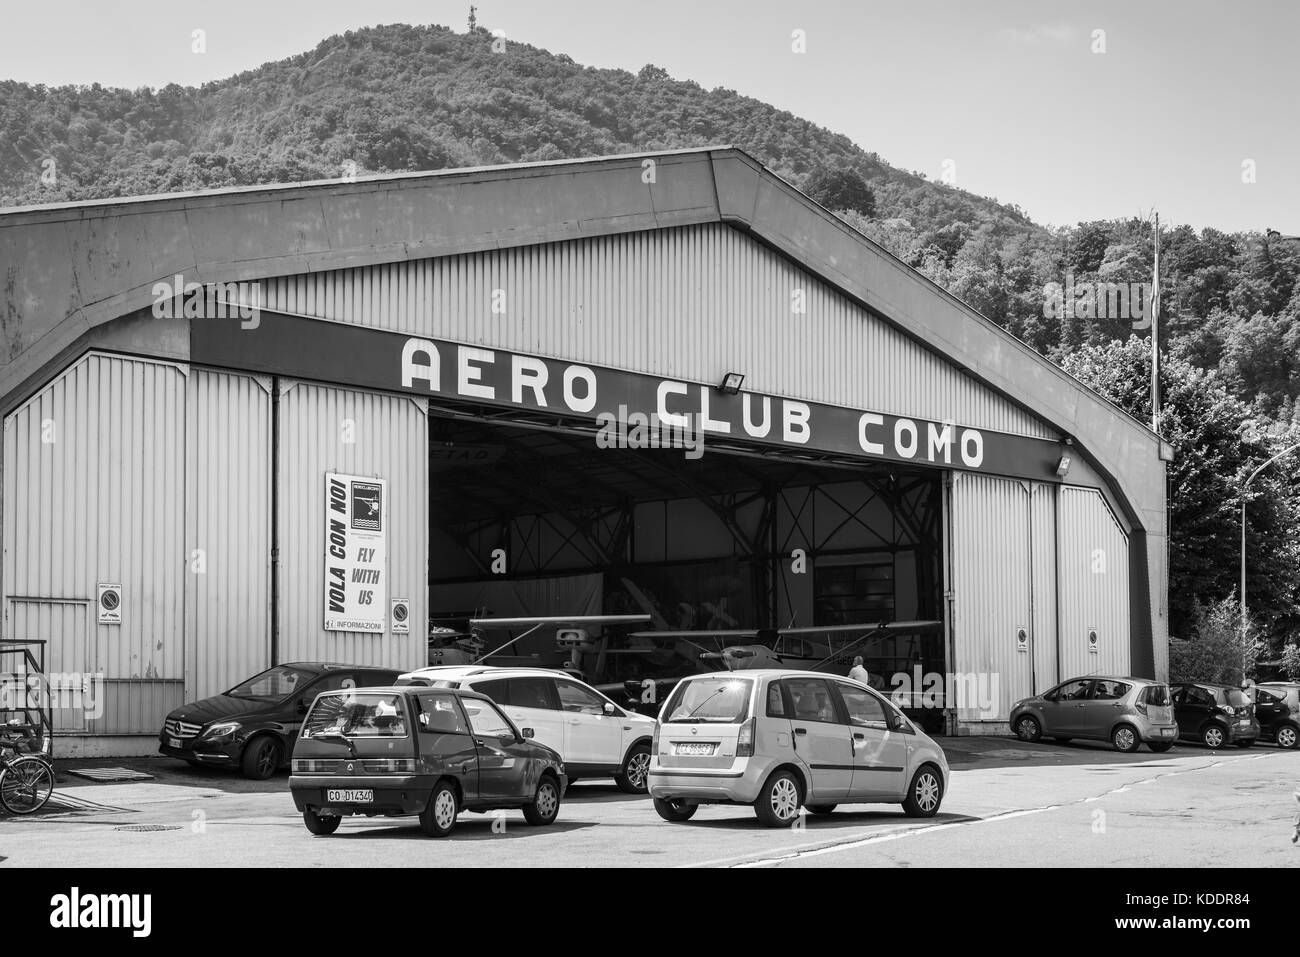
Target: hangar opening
(773,559)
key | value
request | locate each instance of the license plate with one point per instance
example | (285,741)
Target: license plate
(174,742)
(1244,722)
(696,747)
(365,796)
(1166,732)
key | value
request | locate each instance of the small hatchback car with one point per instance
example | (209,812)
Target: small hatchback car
(1215,715)
(418,751)
(780,739)
(1277,708)
(1123,711)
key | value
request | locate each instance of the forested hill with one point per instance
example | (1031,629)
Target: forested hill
(411,98)
(422,98)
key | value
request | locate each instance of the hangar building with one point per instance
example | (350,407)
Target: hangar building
(327,421)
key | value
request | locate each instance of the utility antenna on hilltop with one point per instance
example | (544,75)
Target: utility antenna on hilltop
(473,20)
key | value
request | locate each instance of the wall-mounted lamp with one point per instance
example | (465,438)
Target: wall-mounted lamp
(1063,466)
(731,383)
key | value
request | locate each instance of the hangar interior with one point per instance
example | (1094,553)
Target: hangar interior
(726,541)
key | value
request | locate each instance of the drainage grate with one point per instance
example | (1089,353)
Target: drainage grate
(110,774)
(148,827)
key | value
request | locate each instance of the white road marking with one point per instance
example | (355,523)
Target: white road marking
(816,850)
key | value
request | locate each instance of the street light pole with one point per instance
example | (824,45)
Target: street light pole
(1245,486)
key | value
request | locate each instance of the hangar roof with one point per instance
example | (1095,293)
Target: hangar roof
(73,267)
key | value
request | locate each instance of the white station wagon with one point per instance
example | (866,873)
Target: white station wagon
(595,737)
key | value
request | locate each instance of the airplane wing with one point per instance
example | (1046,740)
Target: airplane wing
(572,620)
(698,633)
(891,626)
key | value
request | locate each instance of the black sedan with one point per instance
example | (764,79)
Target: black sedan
(253,726)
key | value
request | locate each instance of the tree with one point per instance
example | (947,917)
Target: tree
(1215,448)
(1213,651)
(1291,661)
(841,189)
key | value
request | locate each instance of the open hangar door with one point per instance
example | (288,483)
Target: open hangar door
(750,559)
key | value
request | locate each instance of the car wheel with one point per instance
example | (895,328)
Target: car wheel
(546,803)
(320,825)
(1160,747)
(925,793)
(1213,737)
(1028,729)
(1245,744)
(261,758)
(822,808)
(635,776)
(438,819)
(778,802)
(1287,737)
(1125,739)
(675,810)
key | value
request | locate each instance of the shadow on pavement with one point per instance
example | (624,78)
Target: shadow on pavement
(475,827)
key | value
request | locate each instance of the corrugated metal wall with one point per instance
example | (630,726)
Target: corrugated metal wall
(1094,586)
(691,302)
(227,530)
(389,439)
(990,580)
(95,492)
(1042,632)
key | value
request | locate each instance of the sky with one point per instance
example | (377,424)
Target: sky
(1184,107)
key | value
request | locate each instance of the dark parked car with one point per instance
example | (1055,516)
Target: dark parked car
(253,726)
(431,752)
(1215,715)
(1277,709)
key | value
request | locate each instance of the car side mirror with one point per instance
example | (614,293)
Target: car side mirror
(609,708)
(526,732)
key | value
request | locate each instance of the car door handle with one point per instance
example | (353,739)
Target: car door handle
(800,730)
(480,742)
(859,737)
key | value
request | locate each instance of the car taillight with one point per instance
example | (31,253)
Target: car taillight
(390,765)
(1141,708)
(745,743)
(654,740)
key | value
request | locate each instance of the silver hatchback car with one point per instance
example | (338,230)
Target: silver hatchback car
(778,740)
(1123,711)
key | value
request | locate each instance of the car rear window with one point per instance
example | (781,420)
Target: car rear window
(357,716)
(723,699)
(1237,698)
(1156,695)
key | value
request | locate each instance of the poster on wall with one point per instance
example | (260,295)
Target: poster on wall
(356,553)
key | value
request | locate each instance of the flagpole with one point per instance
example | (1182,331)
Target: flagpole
(1155,334)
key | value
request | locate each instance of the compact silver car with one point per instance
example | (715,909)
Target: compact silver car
(1123,711)
(778,740)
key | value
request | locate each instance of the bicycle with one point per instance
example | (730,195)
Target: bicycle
(26,780)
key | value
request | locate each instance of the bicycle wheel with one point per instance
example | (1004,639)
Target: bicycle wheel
(26,785)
